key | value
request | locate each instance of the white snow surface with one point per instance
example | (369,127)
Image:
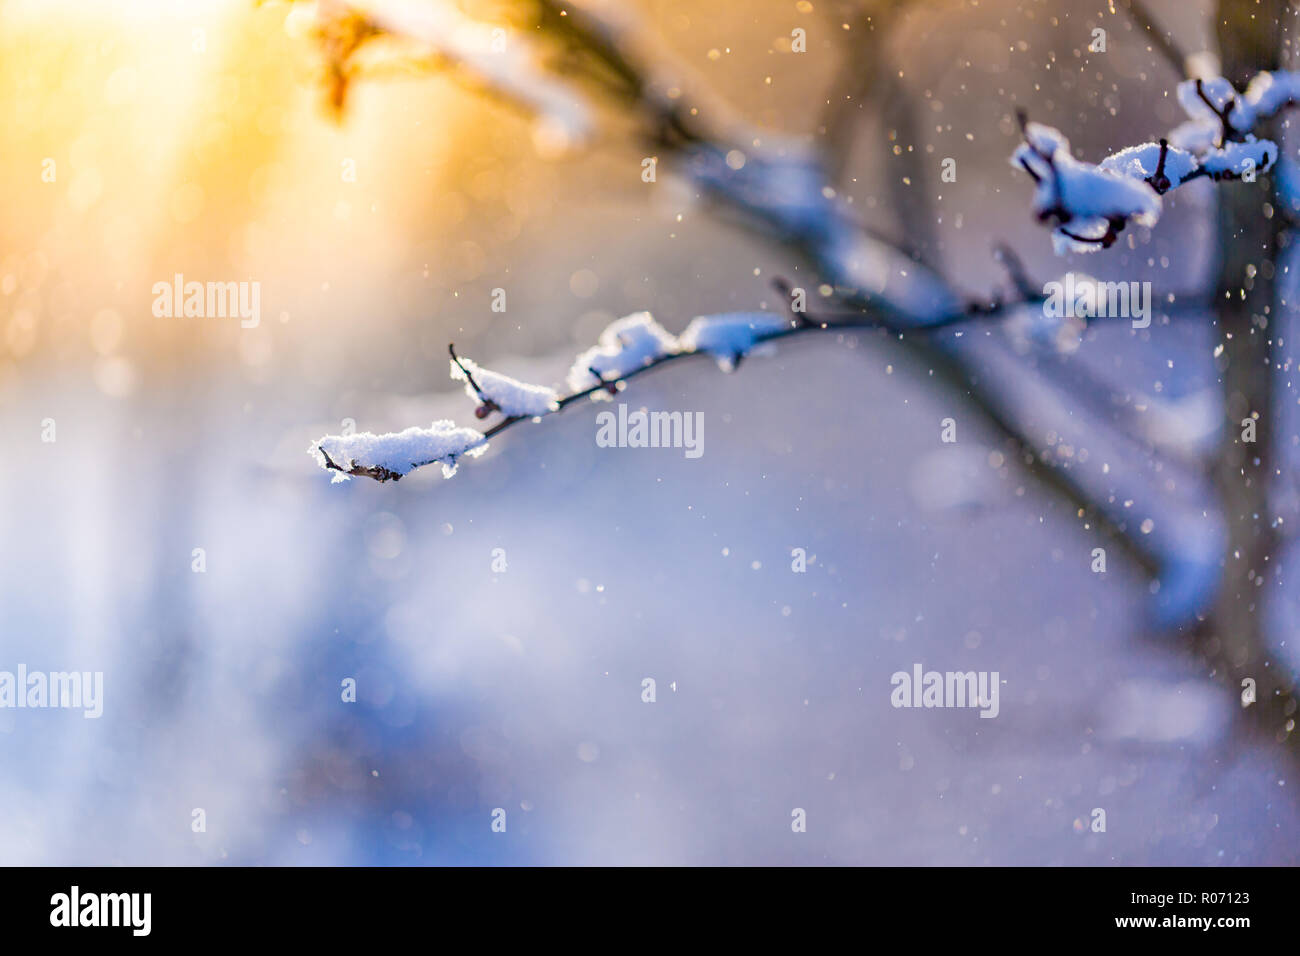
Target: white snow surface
(730,335)
(1063,244)
(1236,159)
(1195,136)
(1141,162)
(1087,190)
(1265,95)
(1045,139)
(510,395)
(625,345)
(400,452)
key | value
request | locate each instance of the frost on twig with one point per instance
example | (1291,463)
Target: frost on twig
(1089,205)
(501,393)
(628,344)
(389,456)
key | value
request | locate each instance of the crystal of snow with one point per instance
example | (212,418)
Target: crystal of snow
(400,452)
(510,395)
(510,71)
(626,345)
(731,335)
(1141,162)
(1236,159)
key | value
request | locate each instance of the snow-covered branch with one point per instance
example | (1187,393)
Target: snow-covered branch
(1089,205)
(501,393)
(390,456)
(628,347)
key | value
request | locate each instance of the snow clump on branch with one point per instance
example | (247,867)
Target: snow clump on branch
(497,392)
(731,336)
(626,345)
(389,456)
(1089,205)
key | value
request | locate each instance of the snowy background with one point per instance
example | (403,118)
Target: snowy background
(522,689)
